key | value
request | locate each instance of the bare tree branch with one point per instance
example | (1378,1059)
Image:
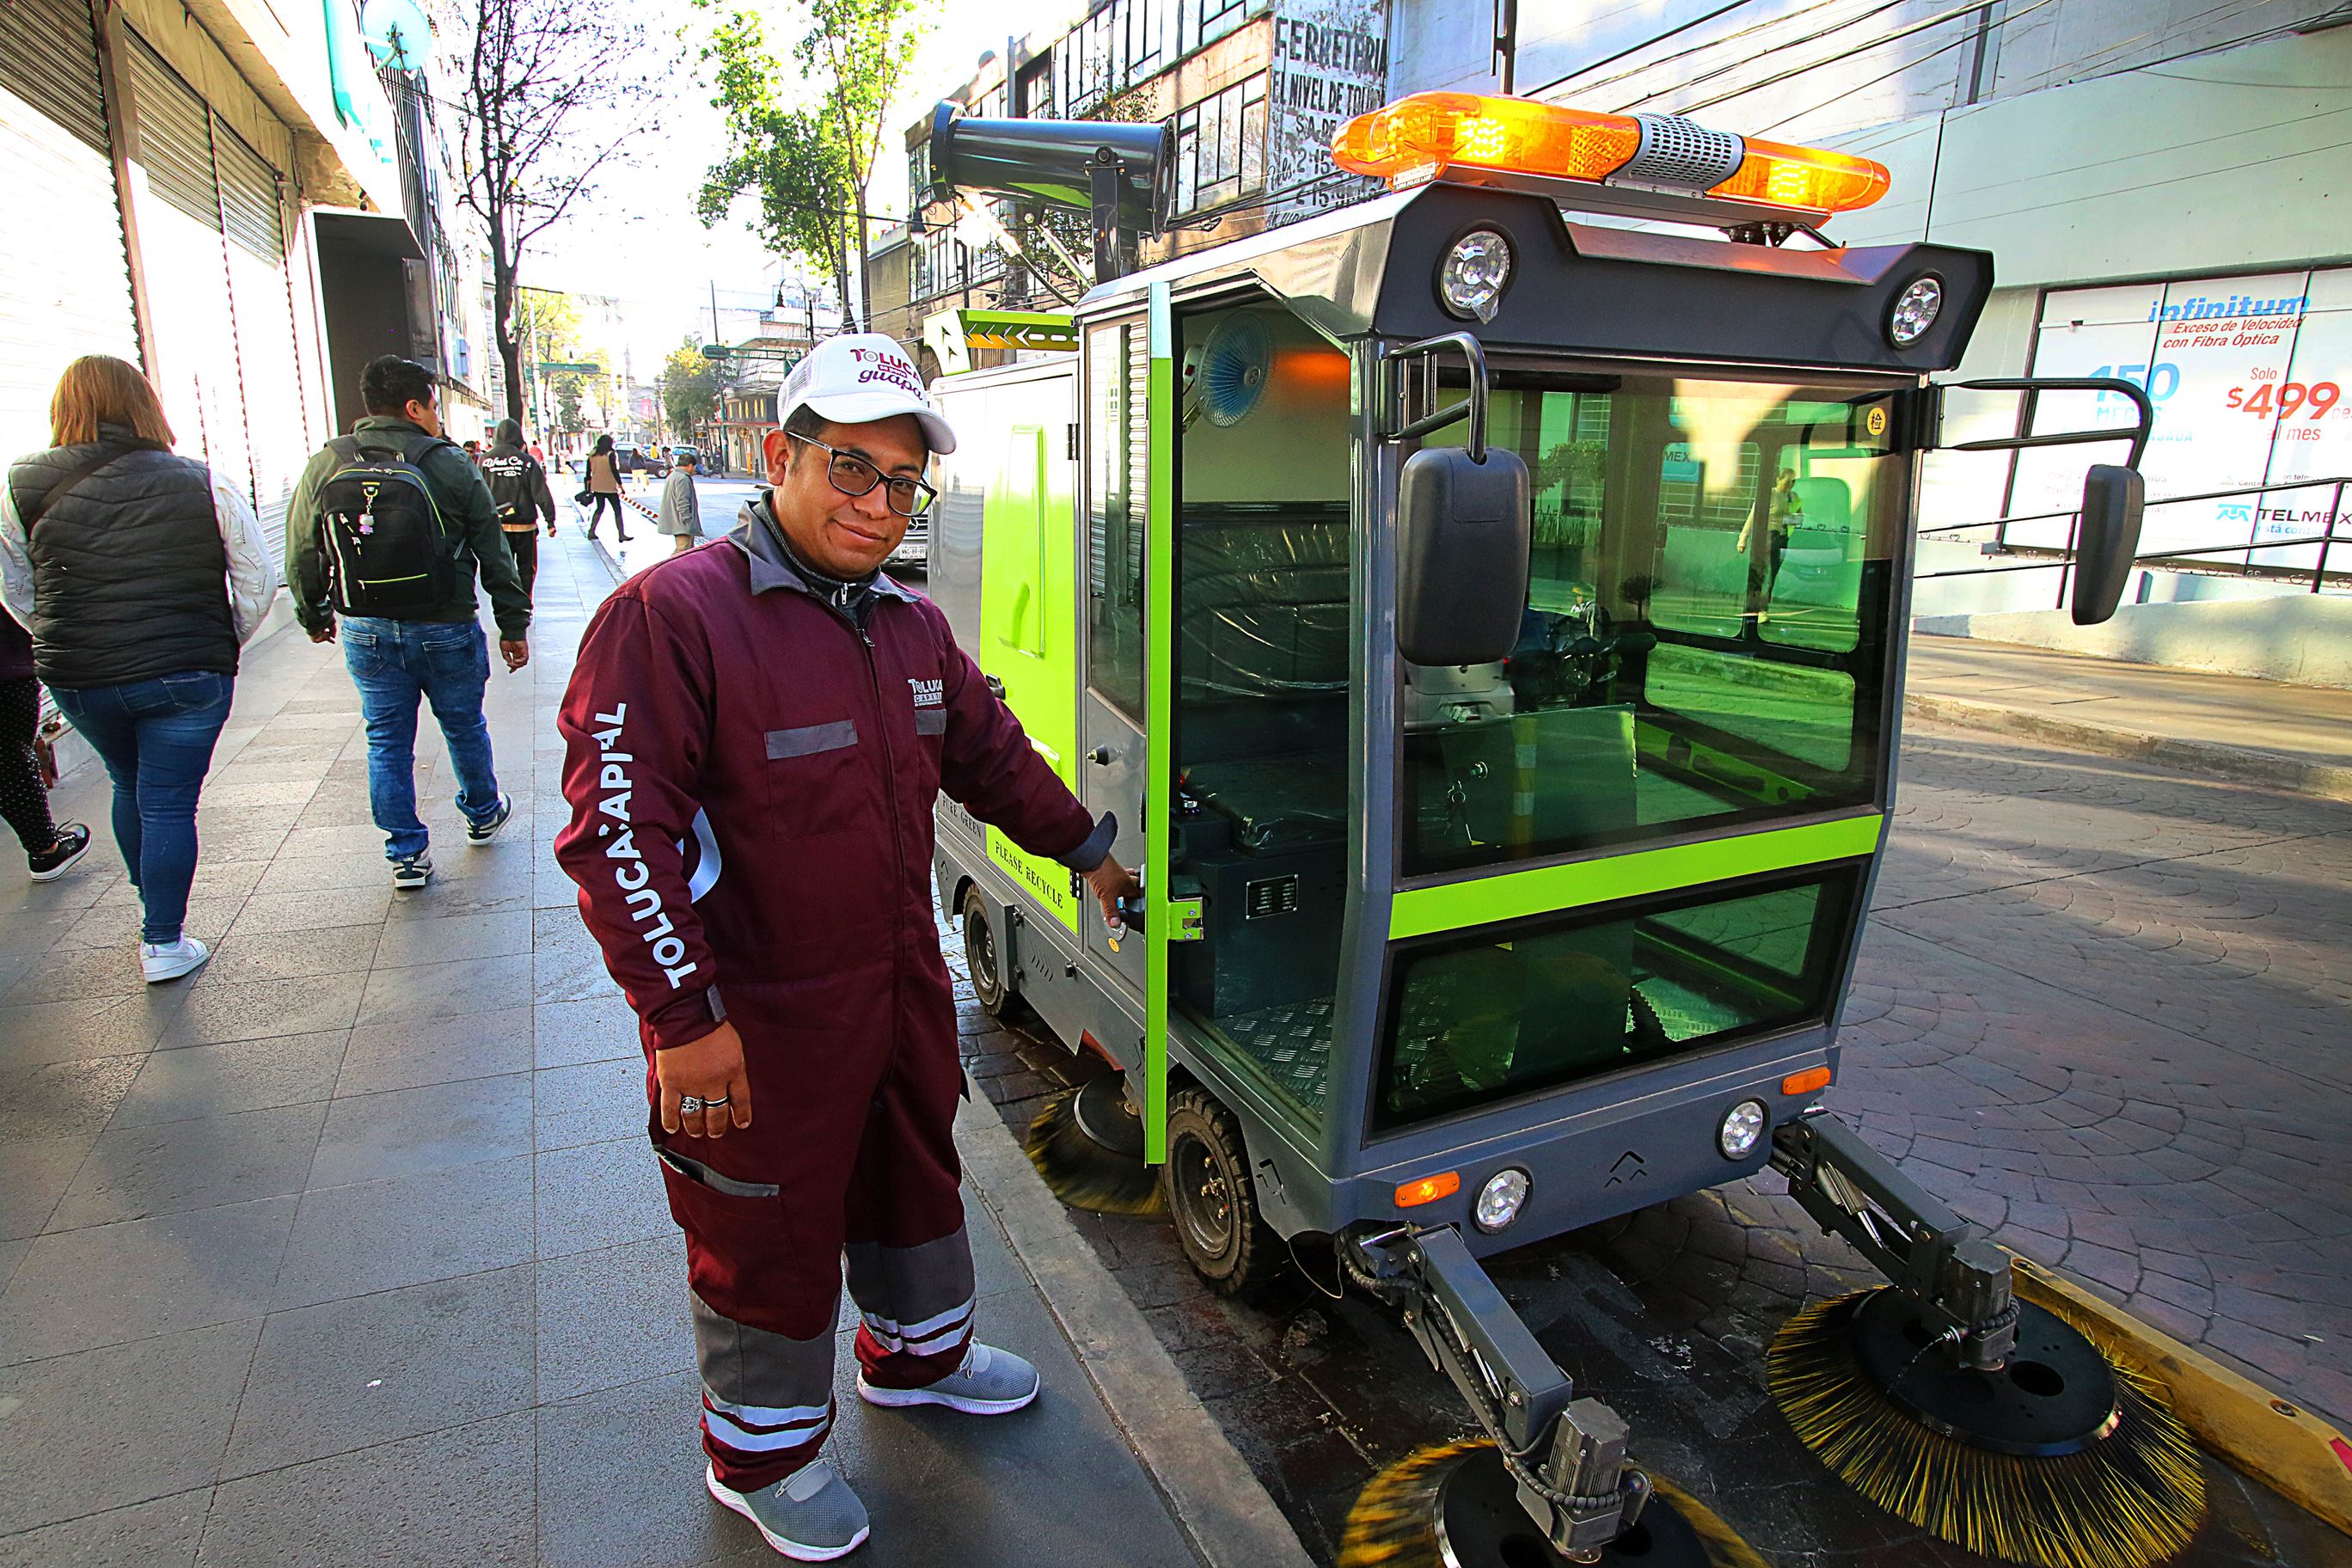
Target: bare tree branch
(555,92)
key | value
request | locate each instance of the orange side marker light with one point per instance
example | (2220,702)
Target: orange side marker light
(1805,1082)
(1428,1190)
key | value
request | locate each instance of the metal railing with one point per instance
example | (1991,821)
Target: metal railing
(2061,558)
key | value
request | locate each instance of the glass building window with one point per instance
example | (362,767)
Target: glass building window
(1221,146)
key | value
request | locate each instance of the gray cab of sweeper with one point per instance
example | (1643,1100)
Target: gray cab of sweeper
(1503,700)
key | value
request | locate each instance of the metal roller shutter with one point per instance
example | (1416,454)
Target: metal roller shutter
(180,240)
(276,408)
(68,281)
(48,58)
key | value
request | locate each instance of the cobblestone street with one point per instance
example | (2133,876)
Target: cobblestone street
(2101,1008)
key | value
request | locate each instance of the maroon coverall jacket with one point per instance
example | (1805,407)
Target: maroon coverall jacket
(751,779)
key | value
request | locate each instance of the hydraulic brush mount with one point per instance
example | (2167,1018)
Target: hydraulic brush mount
(1954,1275)
(1566,1455)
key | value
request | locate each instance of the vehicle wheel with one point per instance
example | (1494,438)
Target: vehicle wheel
(1212,1198)
(982,955)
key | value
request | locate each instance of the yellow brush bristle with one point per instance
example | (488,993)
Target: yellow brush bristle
(1724,1547)
(1082,1172)
(2130,1501)
(1395,1521)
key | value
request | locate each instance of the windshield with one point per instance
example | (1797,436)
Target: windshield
(1705,635)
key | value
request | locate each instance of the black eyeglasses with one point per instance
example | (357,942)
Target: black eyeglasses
(854,476)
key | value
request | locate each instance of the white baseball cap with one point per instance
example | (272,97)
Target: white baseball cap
(860,377)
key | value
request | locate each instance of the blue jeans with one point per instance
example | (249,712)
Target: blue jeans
(394,663)
(155,737)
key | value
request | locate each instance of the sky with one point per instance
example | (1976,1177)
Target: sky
(638,241)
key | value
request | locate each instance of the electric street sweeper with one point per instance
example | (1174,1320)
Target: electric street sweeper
(1486,625)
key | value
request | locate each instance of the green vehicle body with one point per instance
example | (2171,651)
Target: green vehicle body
(1560,914)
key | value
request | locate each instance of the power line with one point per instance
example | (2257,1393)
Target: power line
(1848,91)
(1968,8)
(1774,47)
(1659,39)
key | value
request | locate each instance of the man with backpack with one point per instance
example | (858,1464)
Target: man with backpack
(519,489)
(385,530)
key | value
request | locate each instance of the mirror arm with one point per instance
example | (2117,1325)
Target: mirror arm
(1474,354)
(2033,385)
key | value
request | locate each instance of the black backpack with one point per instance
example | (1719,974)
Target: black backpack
(508,476)
(387,549)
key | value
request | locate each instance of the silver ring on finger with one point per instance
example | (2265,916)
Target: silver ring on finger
(689,1104)
(715,1104)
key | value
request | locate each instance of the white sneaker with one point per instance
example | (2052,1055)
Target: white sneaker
(171,960)
(809,1516)
(991,1381)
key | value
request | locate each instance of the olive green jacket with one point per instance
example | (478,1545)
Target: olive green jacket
(463,498)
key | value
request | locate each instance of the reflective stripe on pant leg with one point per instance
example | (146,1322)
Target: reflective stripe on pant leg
(915,1309)
(767,1400)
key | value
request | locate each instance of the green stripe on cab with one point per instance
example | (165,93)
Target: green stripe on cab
(1484,900)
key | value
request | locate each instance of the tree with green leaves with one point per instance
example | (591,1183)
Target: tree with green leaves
(811,162)
(690,387)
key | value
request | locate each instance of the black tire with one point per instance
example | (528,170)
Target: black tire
(1210,1197)
(983,955)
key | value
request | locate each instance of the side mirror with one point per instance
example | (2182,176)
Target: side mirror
(1464,530)
(2112,500)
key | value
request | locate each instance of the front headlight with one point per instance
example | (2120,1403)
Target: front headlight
(1916,310)
(1743,1128)
(1500,1200)
(1476,270)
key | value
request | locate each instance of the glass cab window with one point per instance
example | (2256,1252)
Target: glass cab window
(1482,1017)
(1705,640)
(1262,598)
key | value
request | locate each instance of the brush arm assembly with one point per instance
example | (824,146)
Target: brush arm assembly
(1566,1455)
(1954,1274)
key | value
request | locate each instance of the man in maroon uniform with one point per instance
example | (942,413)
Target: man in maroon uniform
(754,739)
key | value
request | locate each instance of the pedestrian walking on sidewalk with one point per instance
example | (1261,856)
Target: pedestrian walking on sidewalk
(681,507)
(387,530)
(139,574)
(604,489)
(754,739)
(518,487)
(49,848)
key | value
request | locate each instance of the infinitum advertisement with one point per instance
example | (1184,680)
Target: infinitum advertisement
(2247,376)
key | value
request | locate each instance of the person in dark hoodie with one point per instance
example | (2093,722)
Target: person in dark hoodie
(518,487)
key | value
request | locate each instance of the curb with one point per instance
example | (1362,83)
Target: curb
(1221,1508)
(2232,764)
(2281,1445)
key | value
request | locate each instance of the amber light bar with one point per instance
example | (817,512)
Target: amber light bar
(1420,137)
(1431,132)
(1779,175)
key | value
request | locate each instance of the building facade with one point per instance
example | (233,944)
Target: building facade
(227,193)
(1252,89)
(2160,183)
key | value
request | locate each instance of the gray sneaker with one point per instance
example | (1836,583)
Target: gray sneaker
(991,1381)
(809,1516)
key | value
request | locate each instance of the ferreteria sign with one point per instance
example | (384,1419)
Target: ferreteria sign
(953,334)
(562,367)
(1330,64)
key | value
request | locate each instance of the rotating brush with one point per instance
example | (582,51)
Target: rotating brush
(2063,1459)
(1453,1505)
(1088,1145)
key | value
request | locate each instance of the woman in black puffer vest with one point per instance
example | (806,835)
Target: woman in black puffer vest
(140,575)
